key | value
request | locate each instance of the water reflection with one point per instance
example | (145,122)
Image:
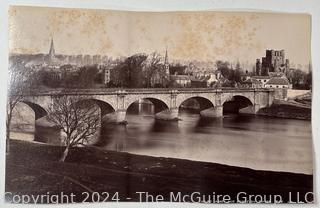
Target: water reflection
(246,141)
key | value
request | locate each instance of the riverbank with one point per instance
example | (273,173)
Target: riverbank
(287,109)
(33,168)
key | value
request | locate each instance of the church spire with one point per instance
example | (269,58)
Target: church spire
(166,58)
(51,51)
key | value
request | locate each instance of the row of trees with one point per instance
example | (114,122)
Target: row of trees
(232,76)
(138,71)
(301,79)
(82,77)
(135,71)
(129,73)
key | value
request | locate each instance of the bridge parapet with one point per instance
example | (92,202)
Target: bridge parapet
(98,91)
(171,98)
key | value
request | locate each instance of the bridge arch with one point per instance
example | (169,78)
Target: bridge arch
(159,104)
(230,96)
(235,103)
(38,110)
(105,107)
(201,103)
(25,119)
(208,98)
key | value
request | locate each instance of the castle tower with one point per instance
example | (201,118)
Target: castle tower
(258,67)
(287,67)
(166,63)
(282,55)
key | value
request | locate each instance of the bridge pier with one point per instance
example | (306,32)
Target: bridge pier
(118,116)
(252,109)
(213,112)
(168,114)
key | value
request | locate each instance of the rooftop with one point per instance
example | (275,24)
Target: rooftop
(278,81)
(261,77)
(180,77)
(253,81)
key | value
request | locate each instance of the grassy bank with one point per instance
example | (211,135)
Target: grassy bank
(305,99)
(33,168)
(287,109)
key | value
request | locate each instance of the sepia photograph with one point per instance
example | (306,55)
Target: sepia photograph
(209,107)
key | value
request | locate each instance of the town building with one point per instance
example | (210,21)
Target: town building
(212,79)
(278,82)
(258,67)
(252,83)
(106,73)
(180,80)
(199,82)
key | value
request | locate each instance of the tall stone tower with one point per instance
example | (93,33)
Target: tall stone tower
(166,63)
(51,51)
(258,67)
(274,61)
(287,67)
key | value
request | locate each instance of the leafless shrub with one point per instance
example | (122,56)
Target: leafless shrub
(79,121)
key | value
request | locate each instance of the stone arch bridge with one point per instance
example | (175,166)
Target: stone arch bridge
(115,102)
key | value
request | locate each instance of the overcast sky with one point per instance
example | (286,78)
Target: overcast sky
(205,36)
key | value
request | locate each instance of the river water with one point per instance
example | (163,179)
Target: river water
(247,141)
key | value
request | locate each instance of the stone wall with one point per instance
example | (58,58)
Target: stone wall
(281,94)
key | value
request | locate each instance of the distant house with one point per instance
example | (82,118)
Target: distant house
(208,79)
(278,82)
(199,82)
(180,80)
(178,69)
(252,83)
(106,75)
(211,80)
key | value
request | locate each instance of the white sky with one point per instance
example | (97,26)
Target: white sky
(205,36)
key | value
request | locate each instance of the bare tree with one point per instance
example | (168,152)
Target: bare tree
(20,81)
(152,65)
(79,121)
